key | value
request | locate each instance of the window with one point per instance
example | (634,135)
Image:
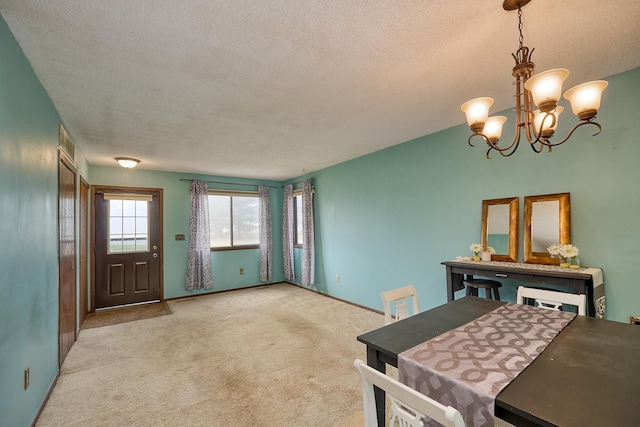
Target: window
(128,225)
(297,220)
(298,229)
(234,220)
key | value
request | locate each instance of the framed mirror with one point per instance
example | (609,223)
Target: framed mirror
(547,221)
(500,228)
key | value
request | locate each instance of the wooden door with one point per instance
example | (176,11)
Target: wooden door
(84,223)
(128,253)
(66,257)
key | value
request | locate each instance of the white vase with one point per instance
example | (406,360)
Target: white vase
(485,256)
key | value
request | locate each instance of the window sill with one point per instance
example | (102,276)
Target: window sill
(235,248)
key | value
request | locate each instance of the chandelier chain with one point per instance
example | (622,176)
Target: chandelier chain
(520,26)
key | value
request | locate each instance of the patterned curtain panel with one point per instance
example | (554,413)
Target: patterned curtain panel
(308,238)
(266,243)
(199,258)
(287,233)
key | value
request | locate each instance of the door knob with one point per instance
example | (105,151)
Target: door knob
(155,255)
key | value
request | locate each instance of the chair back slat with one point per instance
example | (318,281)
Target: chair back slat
(399,298)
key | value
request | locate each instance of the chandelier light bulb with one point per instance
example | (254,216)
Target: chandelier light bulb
(546,87)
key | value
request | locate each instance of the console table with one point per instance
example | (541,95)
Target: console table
(580,281)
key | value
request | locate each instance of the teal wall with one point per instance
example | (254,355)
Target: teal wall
(28,226)
(382,221)
(390,218)
(225,265)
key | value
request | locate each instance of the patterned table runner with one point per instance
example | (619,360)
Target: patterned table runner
(467,367)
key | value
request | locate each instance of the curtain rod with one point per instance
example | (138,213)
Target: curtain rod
(238,183)
(225,182)
(299,182)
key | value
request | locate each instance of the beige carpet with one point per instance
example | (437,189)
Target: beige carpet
(276,355)
(125,314)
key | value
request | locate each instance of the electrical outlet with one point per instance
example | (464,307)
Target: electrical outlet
(337,278)
(241,271)
(179,236)
(26,378)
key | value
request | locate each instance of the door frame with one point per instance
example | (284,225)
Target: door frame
(117,189)
(84,248)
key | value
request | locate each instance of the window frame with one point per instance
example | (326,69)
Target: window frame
(231,195)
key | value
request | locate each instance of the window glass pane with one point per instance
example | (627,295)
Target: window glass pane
(246,223)
(129,225)
(141,225)
(129,243)
(219,221)
(115,244)
(129,207)
(115,226)
(115,207)
(142,242)
(141,208)
(298,217)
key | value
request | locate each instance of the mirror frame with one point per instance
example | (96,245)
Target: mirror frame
(513,203)
(564,232)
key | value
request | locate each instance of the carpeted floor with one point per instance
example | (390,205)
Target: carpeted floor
(125,314)
(276,355)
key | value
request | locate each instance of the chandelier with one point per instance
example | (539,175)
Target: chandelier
(543,91)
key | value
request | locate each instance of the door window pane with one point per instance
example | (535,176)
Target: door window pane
(128,226)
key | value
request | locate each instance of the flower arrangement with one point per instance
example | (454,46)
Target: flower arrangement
(476,248)
(567,253)
(554,250)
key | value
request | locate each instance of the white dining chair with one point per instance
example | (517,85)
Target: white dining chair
(407,406)
(398,297)
(552,299)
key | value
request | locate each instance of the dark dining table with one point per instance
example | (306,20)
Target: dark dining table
(589,375)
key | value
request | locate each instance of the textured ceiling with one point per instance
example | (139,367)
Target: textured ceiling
(275,89)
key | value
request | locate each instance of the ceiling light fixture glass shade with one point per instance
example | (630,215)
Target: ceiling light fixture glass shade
(127,162)
(537,97)
(546,87)
(547,121)
(493,127)
(585,98)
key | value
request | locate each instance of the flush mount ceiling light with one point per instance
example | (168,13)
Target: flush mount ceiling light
(127,162)
(542,90)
